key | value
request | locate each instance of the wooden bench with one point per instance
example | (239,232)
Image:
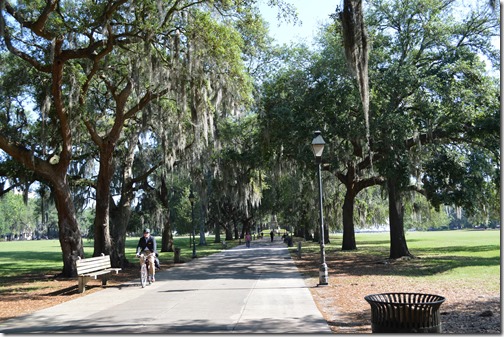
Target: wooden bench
(92,268)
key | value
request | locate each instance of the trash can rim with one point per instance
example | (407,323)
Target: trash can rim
(368,298)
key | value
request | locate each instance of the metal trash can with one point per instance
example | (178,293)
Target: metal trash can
(405,312)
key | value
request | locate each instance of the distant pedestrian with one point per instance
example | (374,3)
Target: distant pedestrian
(248,238)
(272,234)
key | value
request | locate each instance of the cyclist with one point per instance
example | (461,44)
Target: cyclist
(147,245)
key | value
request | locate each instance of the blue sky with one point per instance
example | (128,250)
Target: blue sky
(312,13)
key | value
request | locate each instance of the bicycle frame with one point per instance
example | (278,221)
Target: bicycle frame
(144,269)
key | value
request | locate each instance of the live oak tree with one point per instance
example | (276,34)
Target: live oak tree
(318,91)
(409,62)
(181,60)
(72,48)
(217,87)
(45,50)
(70,43)
(423,79)
(431,89)
(234,176)
(208,81)
(221,159)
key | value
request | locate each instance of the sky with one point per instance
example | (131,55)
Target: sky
(312,13)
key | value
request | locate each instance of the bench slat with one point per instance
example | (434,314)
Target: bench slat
(92,267)
(95,258)
(101,272)
(97,262)
(93,264)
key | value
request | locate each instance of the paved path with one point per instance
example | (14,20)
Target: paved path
(240,290)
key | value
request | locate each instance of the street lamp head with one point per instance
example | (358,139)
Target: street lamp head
(318,145)
(191,197)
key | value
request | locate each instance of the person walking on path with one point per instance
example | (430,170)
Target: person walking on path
(272,234)
(248,238)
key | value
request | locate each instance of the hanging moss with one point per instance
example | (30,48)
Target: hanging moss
(355,41)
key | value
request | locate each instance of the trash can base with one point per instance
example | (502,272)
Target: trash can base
(377,328)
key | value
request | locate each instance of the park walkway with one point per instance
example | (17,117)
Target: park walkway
(239,290)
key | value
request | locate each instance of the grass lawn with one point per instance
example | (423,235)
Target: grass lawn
(470,256)
(43,257)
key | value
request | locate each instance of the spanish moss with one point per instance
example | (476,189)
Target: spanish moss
(355,40)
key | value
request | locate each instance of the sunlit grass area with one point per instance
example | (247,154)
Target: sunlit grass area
(471,257)
(30,257)
(43,257)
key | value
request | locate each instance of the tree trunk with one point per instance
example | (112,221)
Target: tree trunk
(349,180)
(229,232)
(326,234)
(119,219)
(306,228)
(202,239)
(353,186)
(69,233)
(167,235)
(102,241)
(217,233)
(55,176)
(398,247)
(348,224)
(121,214)
(236,233)
(316,232)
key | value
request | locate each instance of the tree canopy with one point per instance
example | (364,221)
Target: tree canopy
(125,106)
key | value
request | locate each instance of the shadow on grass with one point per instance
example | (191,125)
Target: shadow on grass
(459,249)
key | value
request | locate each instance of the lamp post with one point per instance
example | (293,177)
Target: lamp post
(191,199)
(318,147)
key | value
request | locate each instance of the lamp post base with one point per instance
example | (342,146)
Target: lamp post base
(323,275)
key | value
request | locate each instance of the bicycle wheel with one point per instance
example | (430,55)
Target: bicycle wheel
(143,275)
(149,276)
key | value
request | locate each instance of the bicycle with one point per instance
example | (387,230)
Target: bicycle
(144,269)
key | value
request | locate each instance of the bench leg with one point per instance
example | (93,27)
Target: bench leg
(104,280)
(82,283)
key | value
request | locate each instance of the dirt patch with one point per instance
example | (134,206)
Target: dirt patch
(466,309)
(35,292)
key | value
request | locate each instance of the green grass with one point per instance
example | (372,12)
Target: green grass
(43,257)
(470,257)
(30,258)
